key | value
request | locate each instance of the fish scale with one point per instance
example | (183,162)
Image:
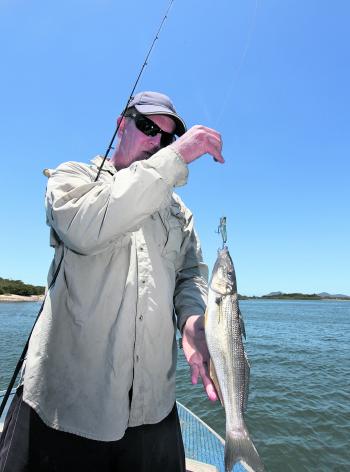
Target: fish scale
(229,364)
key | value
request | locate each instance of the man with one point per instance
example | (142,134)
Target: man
(99,383)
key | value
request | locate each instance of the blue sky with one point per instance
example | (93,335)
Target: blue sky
(272,76)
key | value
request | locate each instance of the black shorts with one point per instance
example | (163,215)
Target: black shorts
(28,445)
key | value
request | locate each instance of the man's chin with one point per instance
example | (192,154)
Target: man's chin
(148,154)
(143,156)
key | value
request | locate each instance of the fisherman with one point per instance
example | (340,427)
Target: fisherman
(99,382)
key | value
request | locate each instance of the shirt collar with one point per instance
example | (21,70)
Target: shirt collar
(107,166)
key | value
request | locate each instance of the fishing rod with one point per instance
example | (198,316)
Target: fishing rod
(133,89)
(25,349)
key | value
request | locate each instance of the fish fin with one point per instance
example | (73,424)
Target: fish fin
(246,381)
(214,378)
(239,447)
(241,324)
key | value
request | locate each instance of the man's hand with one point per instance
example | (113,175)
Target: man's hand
(197,354)
(197,141)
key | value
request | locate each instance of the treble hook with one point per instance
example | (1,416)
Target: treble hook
(222,230)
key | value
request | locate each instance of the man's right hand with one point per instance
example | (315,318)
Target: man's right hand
(197,141)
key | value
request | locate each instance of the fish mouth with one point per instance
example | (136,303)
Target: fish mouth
(223,279)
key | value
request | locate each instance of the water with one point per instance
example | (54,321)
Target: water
(298,411)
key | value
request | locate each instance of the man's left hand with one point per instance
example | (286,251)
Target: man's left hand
(197,354)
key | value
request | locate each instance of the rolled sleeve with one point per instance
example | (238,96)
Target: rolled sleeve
(170,166)
(88,216)
(191,288)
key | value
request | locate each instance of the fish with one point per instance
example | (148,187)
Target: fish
(229,365)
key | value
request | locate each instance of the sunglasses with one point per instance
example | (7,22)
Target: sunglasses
(149,128)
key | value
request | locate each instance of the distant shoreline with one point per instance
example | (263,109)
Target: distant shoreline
(21,298)
(321,299)
(39,298)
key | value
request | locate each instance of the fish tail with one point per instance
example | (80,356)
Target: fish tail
(239,447)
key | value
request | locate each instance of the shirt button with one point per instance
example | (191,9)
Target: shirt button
(143,281)
(141,317)
(141,248)
(137,358)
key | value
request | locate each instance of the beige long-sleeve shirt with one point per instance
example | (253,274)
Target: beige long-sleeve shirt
(131,258)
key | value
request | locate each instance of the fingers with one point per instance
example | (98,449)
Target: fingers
(214,149)
(197,141)
(194,373)
(208,384)
(214,143)
(211,392)
(202,371)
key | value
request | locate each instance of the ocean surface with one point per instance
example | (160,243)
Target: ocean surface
(299,403)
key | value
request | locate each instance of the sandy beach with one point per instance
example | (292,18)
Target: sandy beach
(21,298)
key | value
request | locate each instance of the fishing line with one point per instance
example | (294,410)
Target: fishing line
(24,352)
(229,92)
(133,89)
(237,70)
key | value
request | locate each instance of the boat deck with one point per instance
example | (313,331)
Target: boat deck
(201,442)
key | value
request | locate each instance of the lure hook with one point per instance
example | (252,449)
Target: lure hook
(222,230)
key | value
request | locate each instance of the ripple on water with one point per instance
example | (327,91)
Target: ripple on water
(299,410)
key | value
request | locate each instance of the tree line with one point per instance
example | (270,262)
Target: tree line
(17,287)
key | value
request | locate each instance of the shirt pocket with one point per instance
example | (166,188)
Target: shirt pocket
(173,221)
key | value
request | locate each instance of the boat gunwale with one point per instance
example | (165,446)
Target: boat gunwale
(203,422)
